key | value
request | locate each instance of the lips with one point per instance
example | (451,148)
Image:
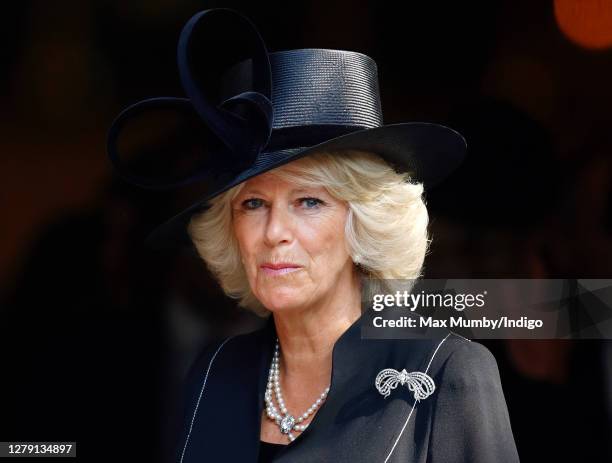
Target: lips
(280,268)
(280,265)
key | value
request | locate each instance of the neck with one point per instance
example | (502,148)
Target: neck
(307,337)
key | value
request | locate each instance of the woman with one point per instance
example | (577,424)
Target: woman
(311,202)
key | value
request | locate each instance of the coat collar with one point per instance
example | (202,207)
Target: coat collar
(227,423)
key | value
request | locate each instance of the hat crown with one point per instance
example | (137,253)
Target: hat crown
(317,87)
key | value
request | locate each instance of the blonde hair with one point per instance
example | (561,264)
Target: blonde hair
(386,226)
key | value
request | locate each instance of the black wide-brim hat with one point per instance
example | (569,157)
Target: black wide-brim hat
(248,111)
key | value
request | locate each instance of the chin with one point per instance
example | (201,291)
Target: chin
(283,302)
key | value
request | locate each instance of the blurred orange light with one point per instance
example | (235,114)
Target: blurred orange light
(588,23)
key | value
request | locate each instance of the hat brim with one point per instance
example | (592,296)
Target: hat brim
(429,152)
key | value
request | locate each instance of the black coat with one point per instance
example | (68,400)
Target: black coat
(464,420)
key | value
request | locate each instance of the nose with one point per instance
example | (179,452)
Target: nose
(279,225)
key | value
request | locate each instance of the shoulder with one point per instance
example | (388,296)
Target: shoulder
(220,350)
(468,364)
(218,355)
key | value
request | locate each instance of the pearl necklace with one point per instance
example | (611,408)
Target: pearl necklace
(288,422)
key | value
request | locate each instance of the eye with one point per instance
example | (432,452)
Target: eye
(252,203)
(311,203)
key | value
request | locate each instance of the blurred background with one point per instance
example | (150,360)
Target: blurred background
(96,331)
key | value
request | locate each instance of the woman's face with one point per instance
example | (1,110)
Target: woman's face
(292,242)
